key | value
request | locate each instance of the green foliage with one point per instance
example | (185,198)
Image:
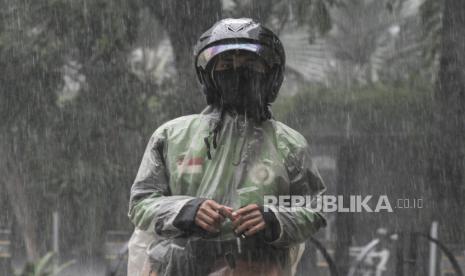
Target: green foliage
(97,29)
(363,44)
(44,267)
(79,155)
(318,18)
(313,14)
(431,14)
(402,108)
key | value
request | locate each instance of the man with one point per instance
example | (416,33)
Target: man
(199,193)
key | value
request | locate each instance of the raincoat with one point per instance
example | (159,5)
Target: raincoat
(248,161)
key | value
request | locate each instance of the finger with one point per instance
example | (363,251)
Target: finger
(215,206)
(235,215)
(247,209)
(248,225)
(206,226)
(251,215)
(218,218)
(228,208)
(255,229)
(208,209)
(227,212)
(206,218)
(238,221)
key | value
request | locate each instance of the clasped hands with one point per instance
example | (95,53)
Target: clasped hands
(247,220)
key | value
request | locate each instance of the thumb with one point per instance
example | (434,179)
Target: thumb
(227,212)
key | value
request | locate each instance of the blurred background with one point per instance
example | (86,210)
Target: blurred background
(376,86)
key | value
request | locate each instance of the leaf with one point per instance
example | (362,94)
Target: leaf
(42,264)
(320,17)
(62,267)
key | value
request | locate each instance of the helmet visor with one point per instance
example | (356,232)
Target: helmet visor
(264,52)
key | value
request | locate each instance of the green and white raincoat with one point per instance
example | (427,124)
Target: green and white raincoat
(250,160)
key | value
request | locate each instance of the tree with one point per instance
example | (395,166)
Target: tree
(447,173)
(68,154)
(184,22)
(28,58)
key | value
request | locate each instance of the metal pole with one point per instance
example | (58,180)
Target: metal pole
(55,245)
(400,255)
(433,249)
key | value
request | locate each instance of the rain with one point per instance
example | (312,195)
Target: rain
(376,88)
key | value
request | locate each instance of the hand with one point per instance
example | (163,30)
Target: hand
(211,215)
(248,219)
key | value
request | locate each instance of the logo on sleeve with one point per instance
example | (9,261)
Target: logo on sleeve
(190,165)
(261,174)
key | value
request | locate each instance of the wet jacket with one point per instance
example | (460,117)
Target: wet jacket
(184,164)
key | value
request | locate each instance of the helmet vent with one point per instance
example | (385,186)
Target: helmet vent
(232,29)
(239,27)
(204,37)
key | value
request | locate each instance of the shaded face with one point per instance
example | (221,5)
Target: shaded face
(242,79)
(235,59)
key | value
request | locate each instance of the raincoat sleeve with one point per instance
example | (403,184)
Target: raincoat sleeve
(298,223)
(151,205)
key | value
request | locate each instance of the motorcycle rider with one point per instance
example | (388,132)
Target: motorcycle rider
(198,197)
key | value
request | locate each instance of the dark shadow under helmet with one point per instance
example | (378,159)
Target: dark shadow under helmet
(239,34)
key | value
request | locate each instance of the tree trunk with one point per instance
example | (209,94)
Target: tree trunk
(347,168)
(447,170)
(16,191)
(184,31)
